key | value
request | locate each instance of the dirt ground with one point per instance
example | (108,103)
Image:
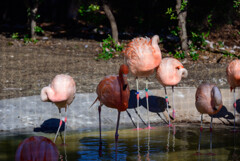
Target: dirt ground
(26,68)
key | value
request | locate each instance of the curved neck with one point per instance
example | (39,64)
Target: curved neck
(47,94)
(124,90)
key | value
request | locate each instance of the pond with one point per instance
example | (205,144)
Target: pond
(156,144)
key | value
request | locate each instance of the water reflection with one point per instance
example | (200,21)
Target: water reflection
(159,144)
(37,148)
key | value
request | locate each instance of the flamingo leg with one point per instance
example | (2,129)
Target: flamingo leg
(166,97)
(173,113)
(137,103)
(146,92)
(211,134)
(65,128)
(116,135)
(234,105)
(100,133)
(60,124)
(200,136)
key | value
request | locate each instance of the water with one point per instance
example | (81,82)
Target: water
(156,144)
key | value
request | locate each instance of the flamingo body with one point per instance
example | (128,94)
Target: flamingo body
(61,91)
(110,94)
(233,73)
(170,72)
(208,99)
(143,56)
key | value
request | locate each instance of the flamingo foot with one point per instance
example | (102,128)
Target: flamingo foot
(138,129)
(100,150)
(198,153)
(149,127)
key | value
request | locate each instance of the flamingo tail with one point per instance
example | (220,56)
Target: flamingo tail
(94,102)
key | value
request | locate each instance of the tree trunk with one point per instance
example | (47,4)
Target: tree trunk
(33,21)
(182,25)
(112,21)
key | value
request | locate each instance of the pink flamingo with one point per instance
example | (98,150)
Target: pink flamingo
(208,101)
(37,148)
(233,77)
(61,92)
(113,92)
(169,73)
(143,55)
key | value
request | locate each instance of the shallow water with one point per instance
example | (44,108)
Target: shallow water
(156,144)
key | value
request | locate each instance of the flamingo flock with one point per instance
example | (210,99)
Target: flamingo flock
(143,58)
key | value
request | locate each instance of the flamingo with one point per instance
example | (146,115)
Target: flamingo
(208,101)
(169,73)
(113,92)
(233,77)
(143,55)
(37,148)
(61,92)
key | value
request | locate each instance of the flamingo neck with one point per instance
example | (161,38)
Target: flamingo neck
(123,93)
(47,94)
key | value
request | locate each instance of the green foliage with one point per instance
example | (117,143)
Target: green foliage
(192,52)
(221,44)
(179,54)
(27,39)
(183,5)
(110,48)
(171,13)
(15,35)
(209,20)
(91,8)
(38,29)
(199,39)
(236,3)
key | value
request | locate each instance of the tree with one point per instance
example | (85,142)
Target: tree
(181,6)
(32,6)
(111,19)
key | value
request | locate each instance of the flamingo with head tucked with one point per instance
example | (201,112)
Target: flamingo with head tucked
(113,91)
(233,77)
(143,55)
(208,101)
(169,73)
(61,92)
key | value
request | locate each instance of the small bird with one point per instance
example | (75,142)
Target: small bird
(37,148)
(169,73)
(61,92)
(208,101)
(113,92)
(143,55)
(233,77)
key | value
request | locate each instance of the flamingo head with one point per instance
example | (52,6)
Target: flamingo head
(123,72)
(183,71)
(217,98)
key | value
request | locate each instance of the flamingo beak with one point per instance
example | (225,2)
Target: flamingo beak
(125,82)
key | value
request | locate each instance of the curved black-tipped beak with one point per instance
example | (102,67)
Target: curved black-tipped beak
(125,82)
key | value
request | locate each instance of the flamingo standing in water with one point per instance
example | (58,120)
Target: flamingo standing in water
(233,77)
(169,73)
(113,92)
(143,55)
(208,101)
(61,92)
